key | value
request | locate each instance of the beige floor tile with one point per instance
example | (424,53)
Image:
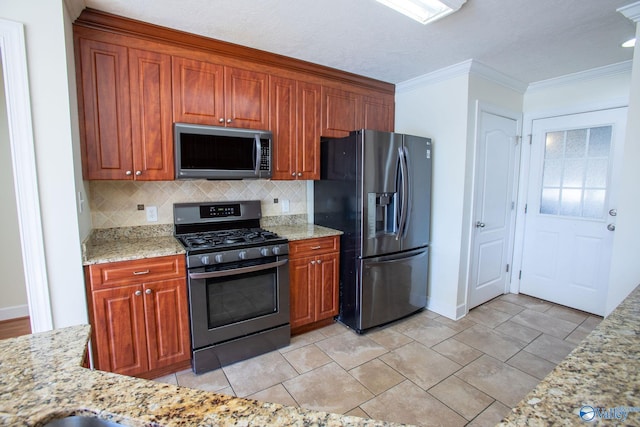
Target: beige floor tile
(577,335)
(505,306)
(531,364)
(420,364)
(457,351)
(389,338)
(358,412)
(497,379)
(303,340)
(328,388)
(167,379)
(209,381)
(350,350)
(275,394)
(258,373)
(463,398)
(430,333)
(550,348)
(307,358)
(490,416)
(428,313)
(591,322)
(489,341)
(457,325)
(334,329)
(544,322)
(520,332)
(568,314)
(527,301)
(377,376)
(408,403)
(488,317)
(227,391)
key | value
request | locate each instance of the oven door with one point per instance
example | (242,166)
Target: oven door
(233,300)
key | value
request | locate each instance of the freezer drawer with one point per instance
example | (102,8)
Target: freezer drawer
(391,287)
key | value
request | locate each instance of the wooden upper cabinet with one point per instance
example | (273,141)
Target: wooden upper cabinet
(295,123)
(378,112)
(341,112)
(104,109)
(151,122)
(213,94)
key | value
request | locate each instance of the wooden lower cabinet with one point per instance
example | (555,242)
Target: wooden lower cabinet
(314,282)
(140,321)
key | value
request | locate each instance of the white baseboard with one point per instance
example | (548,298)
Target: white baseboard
(445,310)
(7,313)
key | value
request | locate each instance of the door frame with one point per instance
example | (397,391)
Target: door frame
(484,107)
(16,84)
(525,166)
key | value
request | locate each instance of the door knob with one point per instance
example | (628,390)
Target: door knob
(479,224)
(611,227)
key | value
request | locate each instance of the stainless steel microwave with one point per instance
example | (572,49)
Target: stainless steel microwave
(213,152)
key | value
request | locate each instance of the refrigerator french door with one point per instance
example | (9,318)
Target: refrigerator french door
(375,187)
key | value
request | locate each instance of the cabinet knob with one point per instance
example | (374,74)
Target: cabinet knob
(299,173)
(128,173)
(293,174)
(319,261)
(138,173)
(221,120)
(137,293)
(228,120)
(313,262)
(148,291)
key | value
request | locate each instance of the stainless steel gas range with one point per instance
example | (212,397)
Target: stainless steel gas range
(238,281)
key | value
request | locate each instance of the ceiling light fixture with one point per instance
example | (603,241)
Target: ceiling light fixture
(424,11)
(629,43)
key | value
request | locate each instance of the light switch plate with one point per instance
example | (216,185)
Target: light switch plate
(152,214)
(285,205)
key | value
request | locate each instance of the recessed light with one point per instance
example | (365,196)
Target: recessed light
(424,11)
(629,43)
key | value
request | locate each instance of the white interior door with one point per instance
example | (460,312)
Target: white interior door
(494,214)
(571,202)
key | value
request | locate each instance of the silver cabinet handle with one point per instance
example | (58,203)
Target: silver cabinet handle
(137,293)
(480,224)
(229,120)
(128,173)
(221,120)
(611,227)
(140,273)
(148,292)
(316,247)
(313,262)
(319,261)
(299,173)
(138,173)
(293,174)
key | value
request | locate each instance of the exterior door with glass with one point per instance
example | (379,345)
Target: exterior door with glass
(571,208)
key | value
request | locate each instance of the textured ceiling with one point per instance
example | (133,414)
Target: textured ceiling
(528,40)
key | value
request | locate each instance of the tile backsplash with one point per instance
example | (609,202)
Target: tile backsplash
(114,203)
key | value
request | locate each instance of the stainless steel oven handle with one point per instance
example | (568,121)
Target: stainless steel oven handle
(234,271)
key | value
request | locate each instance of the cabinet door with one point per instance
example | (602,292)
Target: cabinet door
(378,113)
(120,330)
(105,110)
(167,319)
(198,92)
(246,98)
(283,126)
(326,286)
(341,112)
(150,80)
(309,120)
(302,295)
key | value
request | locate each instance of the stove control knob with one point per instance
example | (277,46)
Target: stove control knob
(276,250)
(218,258)
(242,254)
(204,259)
(264,252)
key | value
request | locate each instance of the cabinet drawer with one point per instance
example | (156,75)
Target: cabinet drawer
(314,246)
(138,271)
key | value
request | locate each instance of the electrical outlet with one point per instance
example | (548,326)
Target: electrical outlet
(285,205)
(152,214)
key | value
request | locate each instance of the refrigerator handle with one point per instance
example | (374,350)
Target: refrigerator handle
(407,191)
(403,192)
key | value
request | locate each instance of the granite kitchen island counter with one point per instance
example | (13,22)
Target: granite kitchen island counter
(41,379)
(601,377)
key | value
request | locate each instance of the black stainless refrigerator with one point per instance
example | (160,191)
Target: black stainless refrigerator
(376,188)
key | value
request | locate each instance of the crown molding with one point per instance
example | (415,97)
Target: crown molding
(631,11)
(465,68)
(594,73)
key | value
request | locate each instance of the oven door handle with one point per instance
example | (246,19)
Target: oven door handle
(234,271)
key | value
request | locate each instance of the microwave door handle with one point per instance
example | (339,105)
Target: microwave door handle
(258,152)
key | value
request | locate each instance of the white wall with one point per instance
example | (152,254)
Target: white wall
(12,285)
(439,110)
(47,26)
(625,268)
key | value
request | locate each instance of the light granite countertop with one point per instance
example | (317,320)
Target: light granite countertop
(601,375)
(302,231)
(41,379)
